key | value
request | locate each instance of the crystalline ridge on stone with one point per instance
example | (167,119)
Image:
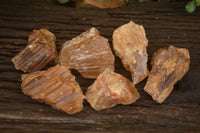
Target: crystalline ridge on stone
(40,50)
(56,87)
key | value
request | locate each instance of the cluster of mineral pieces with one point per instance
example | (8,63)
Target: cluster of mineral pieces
(90,54)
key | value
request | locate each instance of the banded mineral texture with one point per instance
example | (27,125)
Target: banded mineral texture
(129,43)
(168,66)
(40,50)
(56,87)
(88,53)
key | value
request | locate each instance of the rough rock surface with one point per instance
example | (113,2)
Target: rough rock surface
(129,43)
(168,66)
(100,4)
(110,89)
(89,53)
(40,50)
(56,87)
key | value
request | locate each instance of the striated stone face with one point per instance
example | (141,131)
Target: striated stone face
(56,87)
(110,89)
(89,53)
(168,66)
(129,43)
(40,50)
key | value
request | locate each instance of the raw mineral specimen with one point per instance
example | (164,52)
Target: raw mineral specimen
(129,43)
(56,87)
(101,3)
(110,89)
(40,50)
(88,53)
(168,66)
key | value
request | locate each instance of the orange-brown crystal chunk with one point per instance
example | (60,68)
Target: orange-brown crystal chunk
(110,89)
(88,53)
(56,87)
(168,66)
(100,3)
(129,43)
(40,50)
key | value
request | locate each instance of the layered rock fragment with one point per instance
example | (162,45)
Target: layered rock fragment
(89,53)
(129,43)
(40,50)
(56,87)
(168,66)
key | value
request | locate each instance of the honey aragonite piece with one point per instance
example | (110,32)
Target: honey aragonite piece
(100,3)
(168,66)
(89,53)
(56,87)
(110,89)
(40,50)
(129,43)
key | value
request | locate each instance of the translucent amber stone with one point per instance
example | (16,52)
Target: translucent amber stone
(129,43)
(110,89)
(88,53)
